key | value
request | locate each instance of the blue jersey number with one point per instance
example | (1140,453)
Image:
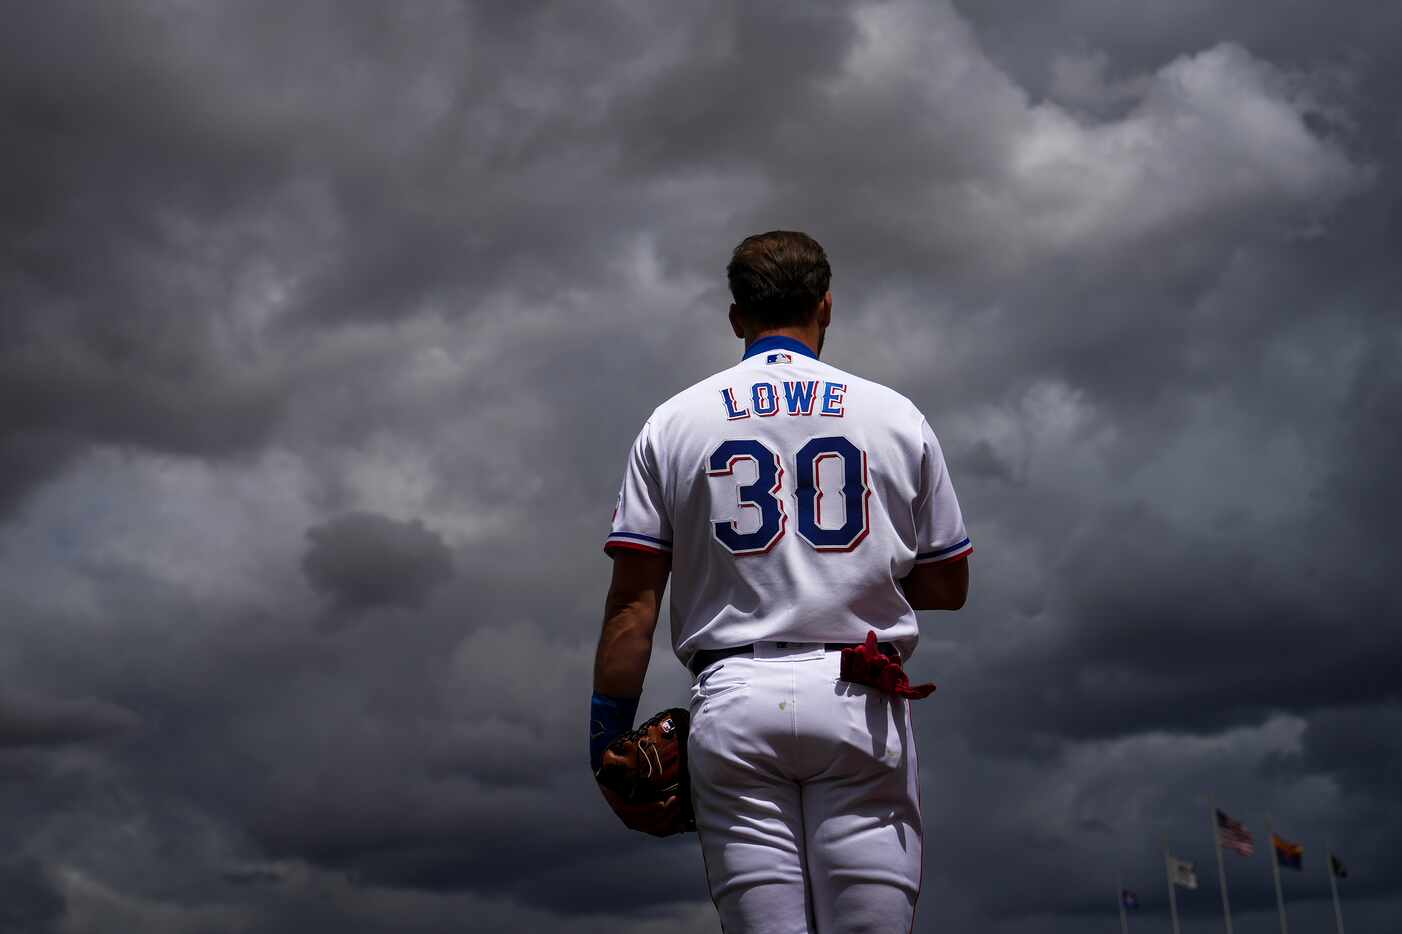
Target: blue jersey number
(763,495)
(856,518)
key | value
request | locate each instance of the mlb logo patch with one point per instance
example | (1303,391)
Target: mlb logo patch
(779,358)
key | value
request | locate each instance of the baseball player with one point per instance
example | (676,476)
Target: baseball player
(797,508)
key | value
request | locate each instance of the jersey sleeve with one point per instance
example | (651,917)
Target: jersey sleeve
(641,521)
(939,524)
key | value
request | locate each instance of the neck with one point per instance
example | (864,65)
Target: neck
(810,336)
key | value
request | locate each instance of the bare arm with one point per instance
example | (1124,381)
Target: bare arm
(942,585)
(630,618)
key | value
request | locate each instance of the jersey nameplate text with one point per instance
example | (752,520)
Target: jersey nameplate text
(794,397)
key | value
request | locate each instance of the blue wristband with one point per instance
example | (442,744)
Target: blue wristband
(609,718)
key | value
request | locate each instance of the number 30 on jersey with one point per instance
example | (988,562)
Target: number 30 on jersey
(765,495)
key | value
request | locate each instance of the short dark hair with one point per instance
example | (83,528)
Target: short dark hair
(778,278)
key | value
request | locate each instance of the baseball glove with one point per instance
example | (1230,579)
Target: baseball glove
(866,664)
(644,777)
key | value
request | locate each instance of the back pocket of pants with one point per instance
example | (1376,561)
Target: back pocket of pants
(721,678)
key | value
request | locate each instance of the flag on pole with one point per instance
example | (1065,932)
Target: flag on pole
(1290,855)
(1337,867)
(1234,835)
(1129,899)
(1181,872)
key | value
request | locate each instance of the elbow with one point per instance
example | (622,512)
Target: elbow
(937,598)
(937,602)
(959,594)
(951,602)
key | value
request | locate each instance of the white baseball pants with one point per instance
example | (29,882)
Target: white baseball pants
(807,796)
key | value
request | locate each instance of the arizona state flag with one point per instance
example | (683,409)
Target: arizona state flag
(1290,855)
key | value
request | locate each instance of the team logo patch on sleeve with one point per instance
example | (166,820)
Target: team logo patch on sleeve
(779,358)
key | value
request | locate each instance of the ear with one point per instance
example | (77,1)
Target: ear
(736,324)
(825,310)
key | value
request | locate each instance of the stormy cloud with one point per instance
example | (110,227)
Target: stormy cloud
(365,560)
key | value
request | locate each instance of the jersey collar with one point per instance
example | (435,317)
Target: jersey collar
(778,342)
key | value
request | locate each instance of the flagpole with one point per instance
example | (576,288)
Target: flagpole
(1334,890)
(1120,898)
(1172,895)
(1221,869)
(1275,873)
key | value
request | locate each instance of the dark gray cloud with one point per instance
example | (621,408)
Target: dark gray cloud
(253,875)
(27,720)
(362,560)
(328,312)
(32,904)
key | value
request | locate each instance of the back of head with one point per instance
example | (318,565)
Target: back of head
(778,278)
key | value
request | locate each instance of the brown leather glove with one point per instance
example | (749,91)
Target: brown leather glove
(644,777)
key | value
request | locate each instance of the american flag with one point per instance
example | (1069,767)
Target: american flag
(1234,835)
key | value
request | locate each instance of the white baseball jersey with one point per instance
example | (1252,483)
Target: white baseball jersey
(793,497)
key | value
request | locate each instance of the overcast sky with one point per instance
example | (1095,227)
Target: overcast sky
(325,327)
